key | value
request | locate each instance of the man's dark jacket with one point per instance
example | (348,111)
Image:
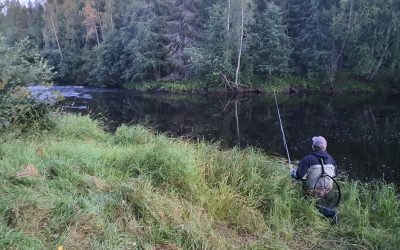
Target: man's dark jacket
(311,160)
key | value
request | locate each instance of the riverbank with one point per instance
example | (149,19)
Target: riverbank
(78,186)
(289,85)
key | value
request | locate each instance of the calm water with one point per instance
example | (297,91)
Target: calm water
(363,131)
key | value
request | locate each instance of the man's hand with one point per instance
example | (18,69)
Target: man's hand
(293,172)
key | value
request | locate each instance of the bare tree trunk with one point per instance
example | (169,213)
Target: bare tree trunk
(338,55)
(228,25)
(97,34)
(287,18)
(111,19)
(375,69)
(237,81)
(101,26)
(379,63)
(226,57)
(55,35)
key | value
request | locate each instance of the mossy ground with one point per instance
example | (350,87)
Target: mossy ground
(138,190)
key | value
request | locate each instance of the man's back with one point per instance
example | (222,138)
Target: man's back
(310,170)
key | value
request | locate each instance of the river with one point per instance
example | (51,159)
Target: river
(362,130)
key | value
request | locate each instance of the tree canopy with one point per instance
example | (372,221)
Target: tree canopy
(111,42)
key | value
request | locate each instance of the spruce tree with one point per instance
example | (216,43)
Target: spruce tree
(209,58)
(271,48)
(143,57)
(311,35)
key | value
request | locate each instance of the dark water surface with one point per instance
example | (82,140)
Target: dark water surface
(363,131)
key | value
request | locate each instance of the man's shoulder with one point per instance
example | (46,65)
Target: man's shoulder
(307,160)
(308,157)
(327,158)
(313,158)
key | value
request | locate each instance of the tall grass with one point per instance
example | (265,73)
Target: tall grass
(138,190)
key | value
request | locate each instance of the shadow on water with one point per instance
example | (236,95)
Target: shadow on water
(363,131)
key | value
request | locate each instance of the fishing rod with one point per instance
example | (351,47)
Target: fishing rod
(283,132)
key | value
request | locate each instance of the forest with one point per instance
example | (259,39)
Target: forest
(234,42)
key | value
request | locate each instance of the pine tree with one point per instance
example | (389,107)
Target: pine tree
(143,56)
(212,58)
(182,30)
(271,48)
(311,35)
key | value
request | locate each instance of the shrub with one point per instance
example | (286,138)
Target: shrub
(21,64)
(19,112)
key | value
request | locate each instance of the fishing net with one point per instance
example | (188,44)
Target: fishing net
(328,195)
(327,192)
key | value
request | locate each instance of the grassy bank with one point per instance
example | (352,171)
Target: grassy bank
(78,186)
(173,87)
(345,83)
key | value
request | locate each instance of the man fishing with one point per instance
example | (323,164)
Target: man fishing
(317,171)
(309,169)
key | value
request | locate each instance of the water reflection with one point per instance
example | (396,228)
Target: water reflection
(362,130)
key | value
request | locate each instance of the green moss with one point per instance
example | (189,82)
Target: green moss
(135,189)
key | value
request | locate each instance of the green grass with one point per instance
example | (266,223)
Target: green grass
(174,87)
(136,189)
(345,82)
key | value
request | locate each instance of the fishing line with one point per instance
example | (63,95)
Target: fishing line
(283,132)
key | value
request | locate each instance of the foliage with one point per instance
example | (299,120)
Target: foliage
(271,47)
(86,188)
(214,56)
(142,55)
(102,66)
(102,42)
(176,87)
(21,64)
(18,111)
(376,34)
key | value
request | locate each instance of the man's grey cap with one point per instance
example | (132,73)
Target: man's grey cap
(319,142)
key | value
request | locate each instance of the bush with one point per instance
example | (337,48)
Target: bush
(22,113)
(21,64)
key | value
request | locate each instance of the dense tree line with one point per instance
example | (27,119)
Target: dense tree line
(221,41)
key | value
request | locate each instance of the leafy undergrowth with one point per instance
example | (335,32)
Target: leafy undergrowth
(173,87)
(82,188)
(345,83)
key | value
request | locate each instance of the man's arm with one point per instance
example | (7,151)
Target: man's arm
(336,168)
(301,170)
